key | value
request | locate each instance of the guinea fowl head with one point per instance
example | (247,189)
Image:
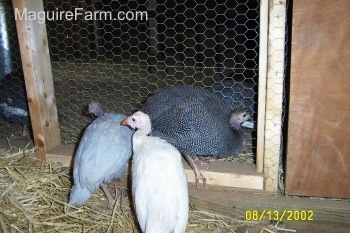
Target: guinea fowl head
(140,121)
(238,117)
(95,109)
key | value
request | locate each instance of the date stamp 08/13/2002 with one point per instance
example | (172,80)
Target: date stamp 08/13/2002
(279,215)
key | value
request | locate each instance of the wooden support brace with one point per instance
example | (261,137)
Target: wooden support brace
(36,64)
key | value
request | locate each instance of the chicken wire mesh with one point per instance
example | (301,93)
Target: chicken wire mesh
(121,62)
(213,44)
(13,103)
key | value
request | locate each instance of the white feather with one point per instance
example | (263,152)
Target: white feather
(159,186)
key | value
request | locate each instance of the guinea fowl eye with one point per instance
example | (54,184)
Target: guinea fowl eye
(244,115)
(133,119)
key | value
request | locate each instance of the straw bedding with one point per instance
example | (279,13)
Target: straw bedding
(33,198)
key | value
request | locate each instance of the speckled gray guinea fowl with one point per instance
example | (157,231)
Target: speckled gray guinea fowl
(196,122)
(193,119)
(102,155)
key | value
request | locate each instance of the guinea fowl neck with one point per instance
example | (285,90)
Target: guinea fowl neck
(146,129)
(238,138)
(235,125)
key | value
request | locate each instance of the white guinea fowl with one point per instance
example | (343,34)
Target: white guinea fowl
(159,184)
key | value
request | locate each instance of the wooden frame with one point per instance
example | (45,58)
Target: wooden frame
(264,12)
(219,200)
(39,84)
(274,93)
(32,37)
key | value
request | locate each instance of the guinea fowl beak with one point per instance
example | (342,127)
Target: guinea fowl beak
(125,121)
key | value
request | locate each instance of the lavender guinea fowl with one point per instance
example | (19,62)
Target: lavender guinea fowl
(159,184)
(196,122)
(102,155)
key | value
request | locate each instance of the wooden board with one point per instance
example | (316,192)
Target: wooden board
(263,45)
(36,65)
(318,153)
(328,215)
(325,215)
(241,175)
(274,94)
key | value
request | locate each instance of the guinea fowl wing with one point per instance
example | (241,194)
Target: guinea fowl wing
(192,126)
(157,214)
(195,121)
(100,156)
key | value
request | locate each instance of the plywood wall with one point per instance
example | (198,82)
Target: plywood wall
(318,151)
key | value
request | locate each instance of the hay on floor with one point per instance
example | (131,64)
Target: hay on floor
(33,198)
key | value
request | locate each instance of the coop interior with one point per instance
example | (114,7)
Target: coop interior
(239,50)
(120,63)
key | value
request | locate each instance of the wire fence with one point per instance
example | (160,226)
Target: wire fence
(12,89)
(127,50)
(122,62)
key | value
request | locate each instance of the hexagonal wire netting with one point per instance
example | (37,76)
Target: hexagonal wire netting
(12,89)
(122,62)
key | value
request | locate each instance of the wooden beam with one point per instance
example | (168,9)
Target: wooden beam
(62,154)
(323,215)
(326,215)
(36,64)
(229,174)
(263,34)
(274,93)
(223,173)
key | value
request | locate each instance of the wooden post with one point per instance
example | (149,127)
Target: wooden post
(274,93)
(36,64)
(264,13)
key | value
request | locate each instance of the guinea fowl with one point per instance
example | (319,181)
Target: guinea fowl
(159,184)
(13,101)
(102,155)
(196,122)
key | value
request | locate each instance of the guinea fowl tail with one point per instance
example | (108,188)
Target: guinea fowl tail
(78,196)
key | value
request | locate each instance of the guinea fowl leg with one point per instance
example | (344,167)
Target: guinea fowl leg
(22,136)
(25,132)
(108,195)
(197,173)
